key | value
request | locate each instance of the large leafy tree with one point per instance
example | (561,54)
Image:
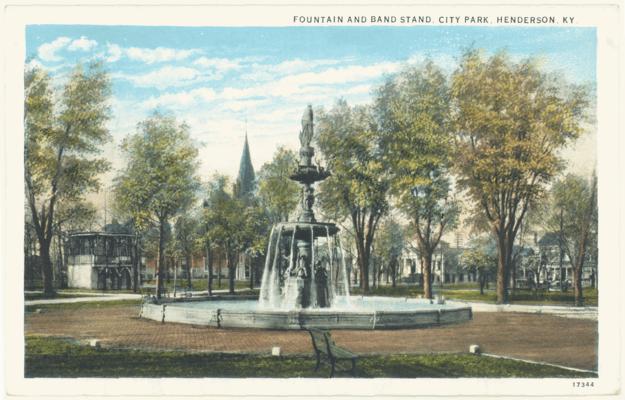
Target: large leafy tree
(229,223)
(63,136)
(413,110)
(276,192)
(348,138)
(511,120)
(160,179)
(573,215)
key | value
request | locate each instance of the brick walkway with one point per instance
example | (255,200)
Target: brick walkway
(564,341)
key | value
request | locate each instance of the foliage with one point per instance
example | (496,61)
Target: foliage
(231,223)
(573,208)
(276,192)
(389,245)
(62,140)
(187,239)
(357,191)
(510,120)
(54,357)
(413,109)
(160,179)
(481,258)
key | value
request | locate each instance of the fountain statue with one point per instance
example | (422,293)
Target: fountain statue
(305,280)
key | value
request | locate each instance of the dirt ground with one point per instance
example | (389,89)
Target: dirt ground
(539,337)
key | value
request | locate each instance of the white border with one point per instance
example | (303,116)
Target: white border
(606,17)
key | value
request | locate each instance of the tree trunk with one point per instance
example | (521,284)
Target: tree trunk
(209,261)
(232,265)
(188,260)
(426,259)
(363,261)
(501,269)
(135,264)
(46,267)
(394,274)
(579,295)
(161,259)
(483,278)
(251,269)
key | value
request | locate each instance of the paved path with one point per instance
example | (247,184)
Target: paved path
(87,298)
(561,311)
(537,337)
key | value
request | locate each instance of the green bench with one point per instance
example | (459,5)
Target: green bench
(323,344)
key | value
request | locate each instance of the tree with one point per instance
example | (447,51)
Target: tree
(276,192)
(481,259)
(510,121)
(229,223)
(573,215)
(187,231)
(389,245)
(159,181)
(413,111)
(62,140)
(348,139)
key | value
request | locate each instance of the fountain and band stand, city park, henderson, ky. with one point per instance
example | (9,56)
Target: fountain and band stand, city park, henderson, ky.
(305,282)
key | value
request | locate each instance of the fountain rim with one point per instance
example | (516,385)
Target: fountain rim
(306,318)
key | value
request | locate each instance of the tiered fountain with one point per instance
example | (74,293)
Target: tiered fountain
(305,281)
(302,268)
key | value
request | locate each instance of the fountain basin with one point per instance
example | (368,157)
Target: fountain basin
(359,313)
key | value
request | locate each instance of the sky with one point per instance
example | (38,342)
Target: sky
(226,81)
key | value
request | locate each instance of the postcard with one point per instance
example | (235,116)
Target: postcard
(293,200)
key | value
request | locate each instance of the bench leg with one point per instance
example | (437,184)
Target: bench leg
(353,367)
(333,361)
(318,361)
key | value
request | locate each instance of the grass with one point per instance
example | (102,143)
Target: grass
(58,357)
(465,292)
(202,284)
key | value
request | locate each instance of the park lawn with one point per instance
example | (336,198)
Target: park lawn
(202,284)
(62,357)
(467,294)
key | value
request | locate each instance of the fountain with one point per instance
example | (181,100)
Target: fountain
(305,281)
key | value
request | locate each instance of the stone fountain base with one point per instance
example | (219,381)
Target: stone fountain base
(391,313)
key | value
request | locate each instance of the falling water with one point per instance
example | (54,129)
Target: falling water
(288,295)
(313,286)
(331,285)
(273,284)
(264,287)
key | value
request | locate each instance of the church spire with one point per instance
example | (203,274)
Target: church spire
(246,180)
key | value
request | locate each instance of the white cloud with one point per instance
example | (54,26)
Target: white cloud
(166,77)
(219,64)
(114,52)
(181,99)
(159,54)
(82,44)
(47,51)
(264,72)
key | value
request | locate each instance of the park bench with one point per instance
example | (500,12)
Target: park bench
(323,344)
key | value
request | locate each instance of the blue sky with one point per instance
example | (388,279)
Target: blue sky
(216,79)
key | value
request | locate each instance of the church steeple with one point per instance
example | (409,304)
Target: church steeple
(246,180)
